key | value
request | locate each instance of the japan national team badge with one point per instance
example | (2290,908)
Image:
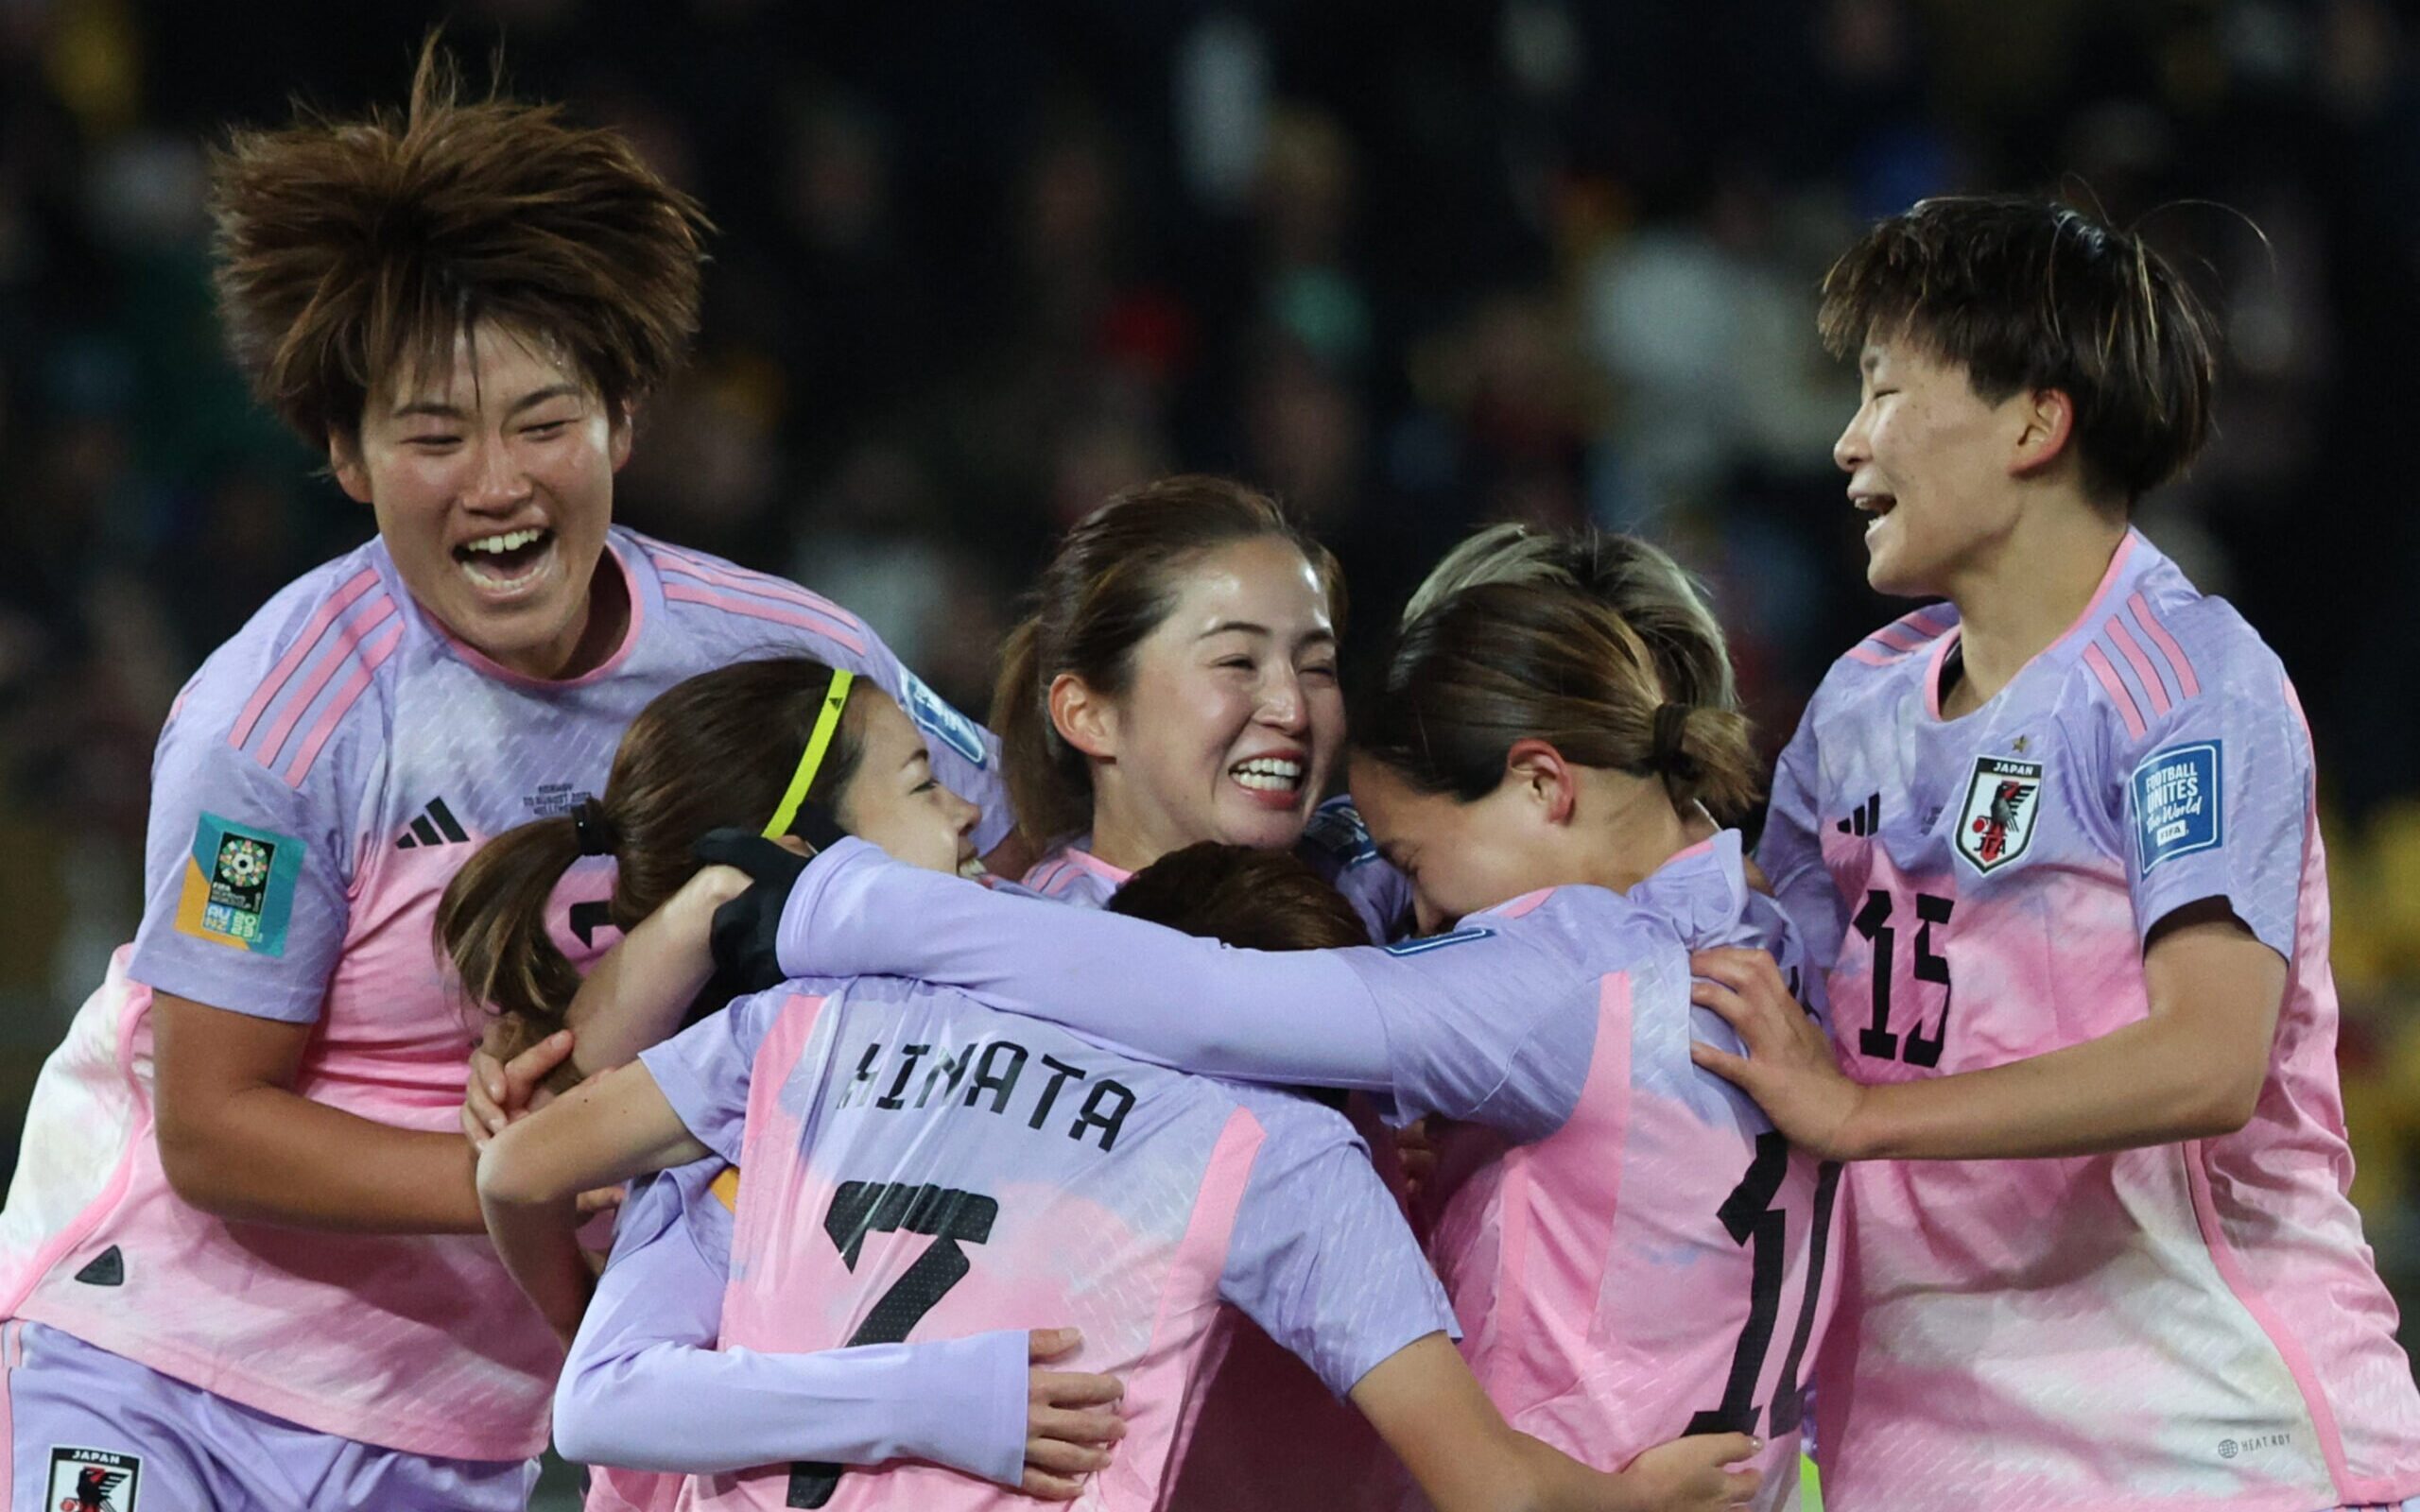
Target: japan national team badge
(94,1480)
(1997,823)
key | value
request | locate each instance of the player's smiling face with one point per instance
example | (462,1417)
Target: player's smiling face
(894,800)
(1927,461)
(493,484)
(1232,719)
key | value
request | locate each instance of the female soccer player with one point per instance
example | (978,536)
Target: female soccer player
(2053,840)
(916,1160)
(242,1260)
(1637,1253)
(795,747)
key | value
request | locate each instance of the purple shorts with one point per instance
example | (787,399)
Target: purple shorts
(92,1432)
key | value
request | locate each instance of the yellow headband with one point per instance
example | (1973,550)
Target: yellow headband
(836,697)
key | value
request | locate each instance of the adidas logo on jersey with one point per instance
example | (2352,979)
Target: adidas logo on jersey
(436,825)
(1865,821)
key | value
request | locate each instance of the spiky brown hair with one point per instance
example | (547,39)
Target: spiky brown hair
(2031,294)
(350,251)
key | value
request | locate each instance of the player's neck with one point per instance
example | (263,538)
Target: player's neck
(2023,592)
(1638,830)
(1121,836)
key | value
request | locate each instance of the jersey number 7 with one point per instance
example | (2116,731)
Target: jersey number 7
(861,1208)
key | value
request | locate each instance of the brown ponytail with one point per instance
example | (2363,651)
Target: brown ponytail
(1502,661)
(1110,583)
(716,749)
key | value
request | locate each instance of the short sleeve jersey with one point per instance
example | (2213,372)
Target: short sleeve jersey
(1633,1250)
(318,783)
(2193,1325)
(920,1165)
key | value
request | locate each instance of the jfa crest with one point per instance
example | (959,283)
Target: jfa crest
(1997,823)
(94,1480)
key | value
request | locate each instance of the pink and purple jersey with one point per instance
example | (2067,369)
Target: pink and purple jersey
(1336,844)
(1254,1392)
(920,1164)
(318,783)
(1636,1254)
(2193,1325)
(646,1394)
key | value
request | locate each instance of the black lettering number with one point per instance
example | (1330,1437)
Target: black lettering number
(953,1218)
(1750,1218)
(588,916)
(1878,1039)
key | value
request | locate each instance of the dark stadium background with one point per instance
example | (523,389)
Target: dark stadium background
(1411,266)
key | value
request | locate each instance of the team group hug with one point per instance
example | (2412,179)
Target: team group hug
(591,992)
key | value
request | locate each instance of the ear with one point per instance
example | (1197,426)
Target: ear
(618,439)
(1083,718)
(344,460)
(1538,771)
(2048,420)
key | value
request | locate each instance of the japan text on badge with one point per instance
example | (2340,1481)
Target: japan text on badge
(1996,822)
(239,886)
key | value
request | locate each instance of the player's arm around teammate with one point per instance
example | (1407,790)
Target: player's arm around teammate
(1422,1398)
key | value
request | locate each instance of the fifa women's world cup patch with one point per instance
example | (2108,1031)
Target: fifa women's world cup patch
(1997,823)
(2176,802)
(934,716)
(239,886)
(94,1480)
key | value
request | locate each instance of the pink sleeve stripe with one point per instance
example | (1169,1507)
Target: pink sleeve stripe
(342,703)
(2116,688)
(2178,661)
(1052,879)
(797,618)
(2132,651)
(707,570)
(1555,1250)
(1897,638)
(1871,657)
(1190,1295)
(354,586)
(341,649)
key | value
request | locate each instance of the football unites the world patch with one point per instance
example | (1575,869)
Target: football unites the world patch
(2175,795)
(935,717)
(1996,822)
(94,1480)
(239,886)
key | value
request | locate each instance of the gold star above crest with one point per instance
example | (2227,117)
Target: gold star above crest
(2021,741)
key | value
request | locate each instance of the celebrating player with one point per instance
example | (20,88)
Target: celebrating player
(917,1160)
(243,1247)
(795,747)
(2054,841)
(1649,1260)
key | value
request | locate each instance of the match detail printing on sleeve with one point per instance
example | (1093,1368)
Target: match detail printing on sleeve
(645,1389)
(1319,1256)
(1294,1016)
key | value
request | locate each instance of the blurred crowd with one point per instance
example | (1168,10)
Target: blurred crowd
(982,263)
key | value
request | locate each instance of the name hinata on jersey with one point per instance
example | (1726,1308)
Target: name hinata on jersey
(993,1073)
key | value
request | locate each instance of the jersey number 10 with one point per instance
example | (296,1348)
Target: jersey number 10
(1750,1217)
